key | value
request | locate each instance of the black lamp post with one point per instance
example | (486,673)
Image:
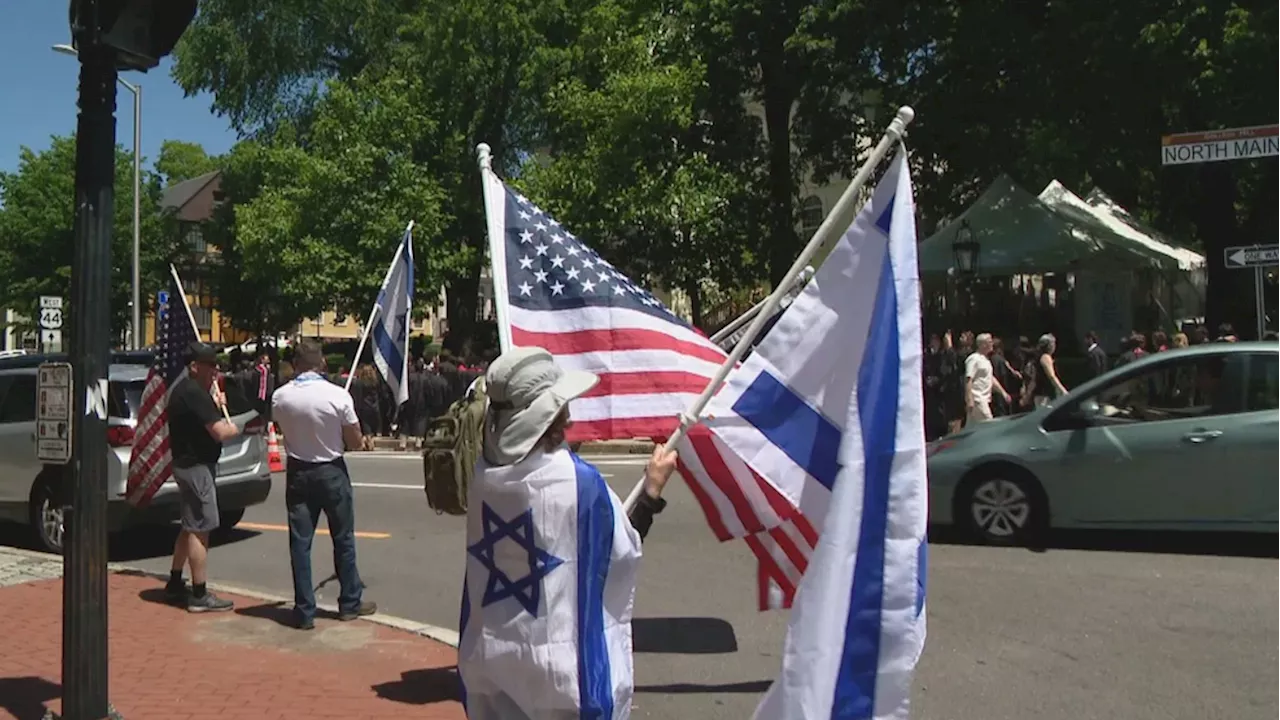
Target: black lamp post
(965,249)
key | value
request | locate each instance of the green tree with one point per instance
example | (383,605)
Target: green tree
(37,235)
(461,65)
(628,164)
(996,94)
(316,217)
(181,160)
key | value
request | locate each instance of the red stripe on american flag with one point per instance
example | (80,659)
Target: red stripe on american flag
(779,503)
(790,549)
(657,428)
(704,501)
(641,383)
(720,474)
(769,566)
(617,339)
(806,529)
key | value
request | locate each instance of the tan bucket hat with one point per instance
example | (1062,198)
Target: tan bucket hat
(526,391)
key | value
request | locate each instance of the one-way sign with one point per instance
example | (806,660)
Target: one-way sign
(1251,256)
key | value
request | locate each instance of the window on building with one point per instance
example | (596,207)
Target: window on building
(195,239)
(810,216)
(419,322)
(339,318)
(203,316)
(190,285)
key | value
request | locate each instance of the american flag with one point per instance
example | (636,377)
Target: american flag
(563,296)
(152,463)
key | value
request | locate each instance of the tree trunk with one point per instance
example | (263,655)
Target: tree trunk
(1229,296)
(778,99)
(695,302)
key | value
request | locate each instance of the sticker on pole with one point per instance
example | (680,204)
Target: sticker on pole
(53,413)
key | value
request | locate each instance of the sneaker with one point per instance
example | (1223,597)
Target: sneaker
(366,608)
(208,603)
(176,594)
(308,624)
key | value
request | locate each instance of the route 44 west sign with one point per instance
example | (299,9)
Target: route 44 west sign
(1251,256)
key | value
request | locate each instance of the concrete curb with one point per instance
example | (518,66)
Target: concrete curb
(431,632)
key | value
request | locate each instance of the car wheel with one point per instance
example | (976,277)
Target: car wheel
(46,515)
(1003,506)
(228,519)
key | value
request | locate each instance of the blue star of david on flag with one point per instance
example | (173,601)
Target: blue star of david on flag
(528,589)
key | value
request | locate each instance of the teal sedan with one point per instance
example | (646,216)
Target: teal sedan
(1179,440)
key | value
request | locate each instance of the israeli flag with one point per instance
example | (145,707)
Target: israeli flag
(547,599)
(829,408)
(391,320)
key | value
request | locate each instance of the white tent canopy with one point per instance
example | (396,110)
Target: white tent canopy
(1116,219)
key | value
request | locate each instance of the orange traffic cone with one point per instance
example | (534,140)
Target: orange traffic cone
(274,459)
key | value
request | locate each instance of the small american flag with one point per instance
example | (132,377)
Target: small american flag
(152,463)
(562,296)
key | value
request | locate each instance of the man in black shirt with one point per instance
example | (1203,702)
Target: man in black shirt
(197,428)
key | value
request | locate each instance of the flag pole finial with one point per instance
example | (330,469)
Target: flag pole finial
(900,122)
(484,155)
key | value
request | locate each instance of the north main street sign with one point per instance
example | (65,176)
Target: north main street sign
(1251,256)
(1217,145)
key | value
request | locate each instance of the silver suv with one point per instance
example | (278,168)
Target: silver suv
(28,487)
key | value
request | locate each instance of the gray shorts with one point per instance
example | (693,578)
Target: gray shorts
(199,498)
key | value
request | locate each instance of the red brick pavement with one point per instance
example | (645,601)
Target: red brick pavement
(167,664)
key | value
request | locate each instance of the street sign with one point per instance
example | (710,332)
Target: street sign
(51,341)
(1217,145)
(1251,256)
(53,413)
(50,312)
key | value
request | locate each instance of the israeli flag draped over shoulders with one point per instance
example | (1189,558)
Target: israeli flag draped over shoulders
(548,594)
(391,320)
(829,408)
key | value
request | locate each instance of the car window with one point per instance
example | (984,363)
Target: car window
(19,403)
(1198,386)
(1263,392)
(5,382)
(125,398)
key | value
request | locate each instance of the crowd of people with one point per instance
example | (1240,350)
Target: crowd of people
(978,377)
(435,383)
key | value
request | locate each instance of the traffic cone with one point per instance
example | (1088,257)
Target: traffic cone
(274,460)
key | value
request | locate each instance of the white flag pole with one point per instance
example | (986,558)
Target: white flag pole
(832,226)
(192,317)
(747,316)
(494,198)
(373,314)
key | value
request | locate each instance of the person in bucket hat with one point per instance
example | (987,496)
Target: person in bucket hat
(551,556)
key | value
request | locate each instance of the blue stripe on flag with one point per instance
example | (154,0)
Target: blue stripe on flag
(855,694)
(389,349)
(595,547)
(804,434)
(882,222)
(462,629)
(922,573)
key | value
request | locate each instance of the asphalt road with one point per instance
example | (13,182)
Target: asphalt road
(1156,627)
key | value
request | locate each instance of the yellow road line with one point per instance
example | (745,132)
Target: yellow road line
(319,530)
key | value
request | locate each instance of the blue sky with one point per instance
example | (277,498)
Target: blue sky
(38,91)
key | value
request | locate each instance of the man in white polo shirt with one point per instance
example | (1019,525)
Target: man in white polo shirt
(979,380)
(319,422)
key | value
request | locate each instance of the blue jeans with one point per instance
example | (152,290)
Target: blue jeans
(311,488)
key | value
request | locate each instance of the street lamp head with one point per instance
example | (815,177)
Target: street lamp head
(66,49)
(965,249)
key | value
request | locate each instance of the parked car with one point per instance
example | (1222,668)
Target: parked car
(29,487)
(1179,440)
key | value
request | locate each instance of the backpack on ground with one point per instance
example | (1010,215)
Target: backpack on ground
(450,451)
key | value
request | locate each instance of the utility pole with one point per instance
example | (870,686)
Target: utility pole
(84,589)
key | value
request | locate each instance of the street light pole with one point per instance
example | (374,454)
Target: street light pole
(135,318)
(84,591)
(135,322)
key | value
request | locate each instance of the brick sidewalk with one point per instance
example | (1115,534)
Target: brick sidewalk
(167,664)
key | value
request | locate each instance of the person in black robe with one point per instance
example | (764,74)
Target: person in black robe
(413,414)
(366,395)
